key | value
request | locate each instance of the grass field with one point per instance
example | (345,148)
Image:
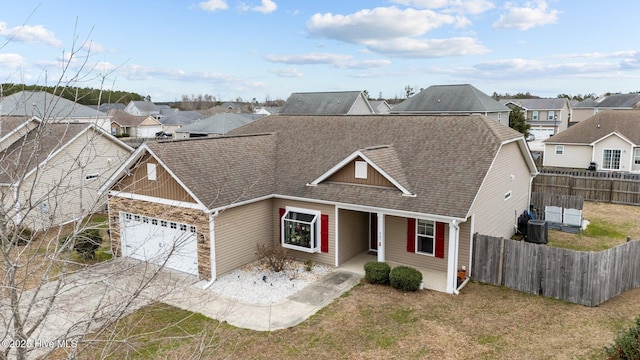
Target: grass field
(379,322)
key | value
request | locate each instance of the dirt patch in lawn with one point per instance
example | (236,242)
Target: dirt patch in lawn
(610,224)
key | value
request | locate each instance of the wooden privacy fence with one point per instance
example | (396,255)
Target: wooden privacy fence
(615,190)
(587,278)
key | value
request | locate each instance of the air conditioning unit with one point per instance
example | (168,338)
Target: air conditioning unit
(537,232)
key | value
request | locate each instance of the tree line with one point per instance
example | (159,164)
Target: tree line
(84,96)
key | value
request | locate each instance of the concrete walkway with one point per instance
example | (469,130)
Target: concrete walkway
(290,312)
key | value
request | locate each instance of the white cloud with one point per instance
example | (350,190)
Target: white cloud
(428,48)
(363,64)
(532,14)
(377,24)
(309,59)
(267,7)
(213,5)
(290,72)
(11,61)
(37,34)
(473,7)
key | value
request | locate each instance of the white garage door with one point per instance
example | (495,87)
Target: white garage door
(541,133)
(160,242)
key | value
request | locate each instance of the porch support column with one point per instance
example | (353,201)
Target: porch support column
(380,236)
(452,270)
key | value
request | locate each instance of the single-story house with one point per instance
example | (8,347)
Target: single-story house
(413,189)
(610,138)
(51,172)
(457,99)
(216,125)
(143,126)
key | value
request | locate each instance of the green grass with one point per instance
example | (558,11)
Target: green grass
(598,229)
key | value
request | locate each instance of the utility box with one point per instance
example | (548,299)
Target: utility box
(537,232)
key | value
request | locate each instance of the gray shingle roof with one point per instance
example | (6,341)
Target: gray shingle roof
(45,106)
(220,123)
(538,104)
(624,122)
(182,118)
(462,98)
(620,101)
(223,170)
(30,150)
(320,103)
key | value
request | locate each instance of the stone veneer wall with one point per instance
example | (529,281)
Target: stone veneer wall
(165,212)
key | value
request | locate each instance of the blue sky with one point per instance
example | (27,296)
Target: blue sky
(270,48)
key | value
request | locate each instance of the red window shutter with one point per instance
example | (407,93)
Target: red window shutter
(282,211)
(439,250)
(324,233)
(411,235)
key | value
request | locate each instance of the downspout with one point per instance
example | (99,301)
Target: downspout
(212,248)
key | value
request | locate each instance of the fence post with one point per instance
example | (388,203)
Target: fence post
(500,261)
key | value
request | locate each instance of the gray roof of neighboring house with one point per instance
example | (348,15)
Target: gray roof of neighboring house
(538,104)
(45,106)
(624,122)
(219,123)
(145,106)
(620,101)
(26,153)
(463,98)
(586,103)
(182,118)
(109,106)
(320,103)
(125,119)
(380,106)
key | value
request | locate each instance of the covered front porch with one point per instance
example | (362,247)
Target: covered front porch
(433,280)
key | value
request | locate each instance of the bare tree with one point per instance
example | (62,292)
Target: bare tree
(51,298)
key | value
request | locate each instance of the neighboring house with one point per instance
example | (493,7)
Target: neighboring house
(52,171)
(267,110)
(413,189)
(589,107)
(171,123)
(380,106)
(609,138)
(546,116)
(148,108)
(51,108)
(215,125)
(327,103)
(463,99)
(144,126)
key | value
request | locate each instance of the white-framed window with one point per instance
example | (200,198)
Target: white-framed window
(301,229)
(636,157)
(425,237)
(361,169)
(551,115)
(535,115)
(559,149)
(151,172)
(611,159)
(507,196)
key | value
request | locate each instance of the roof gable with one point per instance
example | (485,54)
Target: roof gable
(383,159)
(623,122)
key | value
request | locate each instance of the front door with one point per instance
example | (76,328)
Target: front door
(373,232)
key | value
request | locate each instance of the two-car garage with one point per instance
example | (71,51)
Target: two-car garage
(159,241)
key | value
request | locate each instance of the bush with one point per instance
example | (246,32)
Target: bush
(377,272)
(626,345)
(405,278)
(273,257)
(85,243)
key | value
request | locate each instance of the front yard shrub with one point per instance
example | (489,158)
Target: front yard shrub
(85,243)
(626,345)
(377,272)
(405,278)
(273,257)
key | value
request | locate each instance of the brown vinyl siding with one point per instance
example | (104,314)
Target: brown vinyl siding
(324,258)
(164,187)
(238,232)
(348,172)
(396,246)
(494,215)
(353,234)
(197,218)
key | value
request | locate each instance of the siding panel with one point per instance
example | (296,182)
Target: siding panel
(396,246)
(347,175)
